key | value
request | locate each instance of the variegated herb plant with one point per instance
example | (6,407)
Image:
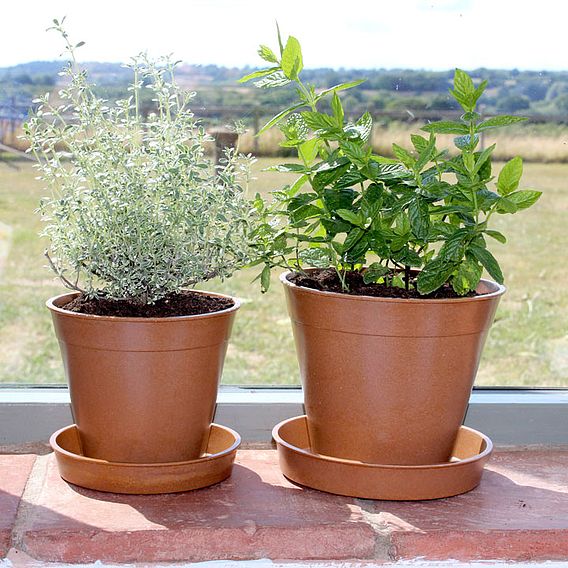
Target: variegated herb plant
(137,210)
(356,211)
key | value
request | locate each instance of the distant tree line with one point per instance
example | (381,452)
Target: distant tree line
(511,91)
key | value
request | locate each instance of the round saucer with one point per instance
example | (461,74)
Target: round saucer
(145,478)
(375,481)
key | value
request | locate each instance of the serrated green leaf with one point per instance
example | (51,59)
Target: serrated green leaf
(350,216)
(308,150)
(419,142)
(373,272)
(319,121)
(510,176)
(256,74)
(364,127)
(434,274)
(339,198)
(277,118)
(404,156)
(467,276)
(286,168)
(496,235)
(488,261)
(267,54)
(463,83)
(483,157)
(505,205)
(419,216)
(479,91)
(340,87)
(335,226)
(358,252)
(498,121)
(276,79)
(292,63)
(305,212)
(327,177)
(353,236)
(446,127)
(465,142)
(337,109)
(296,186)
(524,198)
(427,154)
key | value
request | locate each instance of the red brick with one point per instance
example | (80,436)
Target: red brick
(14,473)
(519,512)
(257,513)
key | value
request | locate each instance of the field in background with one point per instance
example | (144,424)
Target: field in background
(528,344)
(544,143)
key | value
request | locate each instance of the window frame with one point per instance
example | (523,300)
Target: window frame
(509,416)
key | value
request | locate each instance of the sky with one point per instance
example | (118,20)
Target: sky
(420,34)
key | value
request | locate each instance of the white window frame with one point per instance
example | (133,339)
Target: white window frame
(511,417)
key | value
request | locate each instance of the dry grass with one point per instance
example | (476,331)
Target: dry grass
(546,143)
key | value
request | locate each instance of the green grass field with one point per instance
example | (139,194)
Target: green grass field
(528,344)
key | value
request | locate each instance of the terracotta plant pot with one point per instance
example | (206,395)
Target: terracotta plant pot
(387,381)
(143,390)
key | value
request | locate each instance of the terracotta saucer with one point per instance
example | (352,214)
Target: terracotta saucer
(374,481)
(145,478)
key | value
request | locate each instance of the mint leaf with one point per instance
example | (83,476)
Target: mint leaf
(276,79)
(404,156)
(496,235)
(337,109)
(292,63)
(267,54)
(419,218)
(488,261)
(510,176)
(350,216)
(446,127)
(524,198)
(498,121)
(434,275)
(256,74)
(276,119)
(319,121)
(373,272)
(467,276)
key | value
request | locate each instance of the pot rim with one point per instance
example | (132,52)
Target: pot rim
(86,459)
(500,289)
(51,305)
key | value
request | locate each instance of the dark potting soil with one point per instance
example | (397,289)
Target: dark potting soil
(327,280)
(186,303)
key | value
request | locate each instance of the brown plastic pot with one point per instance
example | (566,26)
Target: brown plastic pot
(387,381)
(143,390)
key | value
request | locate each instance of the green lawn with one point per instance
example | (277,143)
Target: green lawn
(528,344)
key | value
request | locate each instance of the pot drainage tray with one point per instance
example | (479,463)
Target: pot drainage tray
(375,481)
(145,478)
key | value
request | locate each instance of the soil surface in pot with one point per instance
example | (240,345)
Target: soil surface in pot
(327,280)
(186,303)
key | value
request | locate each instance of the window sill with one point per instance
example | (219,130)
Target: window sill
(509,417)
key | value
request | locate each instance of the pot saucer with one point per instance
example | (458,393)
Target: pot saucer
(145,478)
(375,481)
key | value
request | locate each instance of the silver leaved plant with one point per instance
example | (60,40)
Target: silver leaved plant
(136,208)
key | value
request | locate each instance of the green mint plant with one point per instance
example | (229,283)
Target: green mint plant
(348,206)
(137,210)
